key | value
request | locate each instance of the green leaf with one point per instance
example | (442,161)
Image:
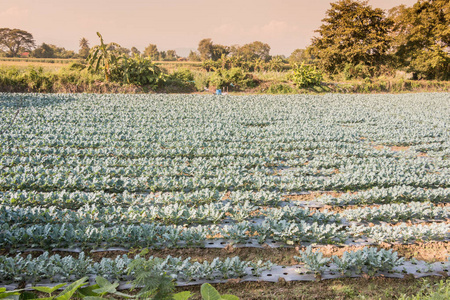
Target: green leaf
(102,282)
(105,285)
(28,296)
(123,295)
(94,298)
(9,295)
(209,292)
(88,291)
(71,289)
(182,295)
(48,289)
(229,297)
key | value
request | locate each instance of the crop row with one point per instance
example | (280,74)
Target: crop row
(182,164)
(50,236)
(169,214)
(75,200)
(382,195)
(214,213)
(56,268)
(367,260)
(398,212)
(404,232)
(404,124)
(150,235)
(341,181)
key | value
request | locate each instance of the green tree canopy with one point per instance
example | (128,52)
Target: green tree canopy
(299,56)
(135,51)
(205,48)
(255,50)
(421,38)
(218,51)
(122,51)
(194,56)
(208,50)
(15,41)
(171,55)
(151,51)
(44,51)
(352,33)
(84,48)
(52,51)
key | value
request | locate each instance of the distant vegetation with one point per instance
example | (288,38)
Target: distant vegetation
(358,48)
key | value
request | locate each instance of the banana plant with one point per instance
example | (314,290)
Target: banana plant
(101,288)
(208,292)
(9,295)
(102,56)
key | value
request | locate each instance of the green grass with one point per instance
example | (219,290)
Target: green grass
(437,291)
(56,76)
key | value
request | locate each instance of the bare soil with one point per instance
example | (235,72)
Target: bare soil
(346,288)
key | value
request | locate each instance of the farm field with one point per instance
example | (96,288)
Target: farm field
(254,191)
(55,64)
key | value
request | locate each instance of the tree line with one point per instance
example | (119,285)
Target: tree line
(354,39)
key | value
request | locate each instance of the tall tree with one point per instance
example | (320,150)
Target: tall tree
(255,50)
(352,33)
(135,51)
(15,41)
(194,56)
(421,38)
(171,55)
(218,51)
(299,56)
(122,51)
(152,51)
(84,48)
(205,49)
(44,51)
(162,55)
(208,50)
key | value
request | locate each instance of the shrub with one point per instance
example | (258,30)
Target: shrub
(235,77)
(38,80)
(357,71)
(306,76)
(182,75)
(75,66)
(279,88)
(137,70)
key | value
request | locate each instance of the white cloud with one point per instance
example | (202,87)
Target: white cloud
(14,13)
(225,29)
(273,29)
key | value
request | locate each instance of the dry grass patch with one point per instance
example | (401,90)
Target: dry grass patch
(400,148)
(312,195)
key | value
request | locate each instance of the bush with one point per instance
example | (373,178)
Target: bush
(137,70)
(38,80)
(361,71)
(235,77)
(279,88)
(306,76)
(201,80)
(182,75)
(76,66)
(431,64)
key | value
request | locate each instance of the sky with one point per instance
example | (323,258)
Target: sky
(285,25)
